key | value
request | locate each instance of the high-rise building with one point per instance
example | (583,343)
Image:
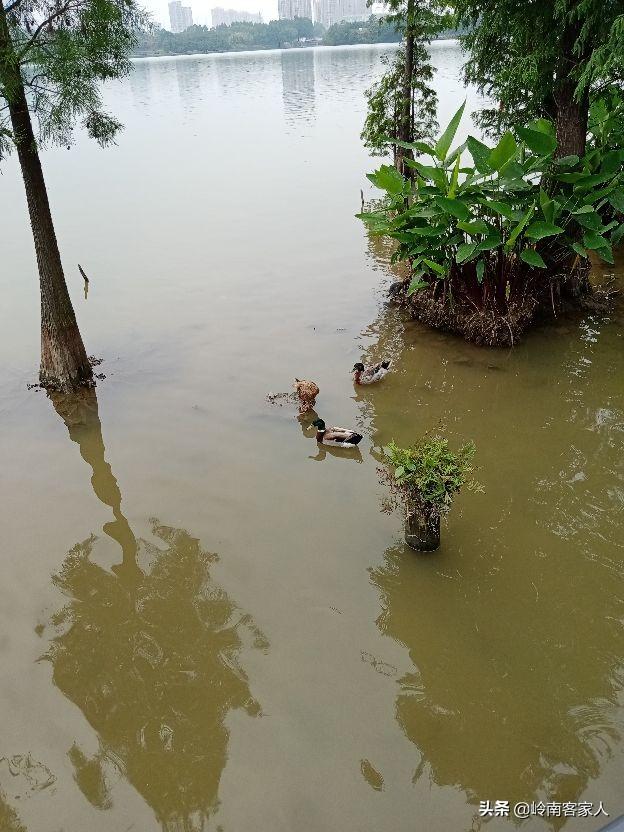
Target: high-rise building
(181,17)
(289,9)
(329,12)
(225,17)
(354,10)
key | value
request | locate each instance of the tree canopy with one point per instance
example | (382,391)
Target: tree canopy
(521,54)
(402,104)
(63,50)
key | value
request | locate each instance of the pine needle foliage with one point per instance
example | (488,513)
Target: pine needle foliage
(520,53)
(64,50)
(419,21)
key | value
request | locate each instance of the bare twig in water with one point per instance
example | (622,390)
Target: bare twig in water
(86,281)
(281,398)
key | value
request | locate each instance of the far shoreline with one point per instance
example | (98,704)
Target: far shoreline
(283,49)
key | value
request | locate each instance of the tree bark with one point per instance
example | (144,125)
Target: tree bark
(405,132)
(64,362)
(571,123)
(422,526)
(572,113)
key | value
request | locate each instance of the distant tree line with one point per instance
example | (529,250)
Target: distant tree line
(376,30)
(238,37)
(278,34)
(373,30)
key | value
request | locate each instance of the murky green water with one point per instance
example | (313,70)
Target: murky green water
(201,627)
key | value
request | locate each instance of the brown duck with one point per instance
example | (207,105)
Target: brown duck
(306,391)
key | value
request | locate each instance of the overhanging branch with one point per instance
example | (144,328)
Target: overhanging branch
(44,23)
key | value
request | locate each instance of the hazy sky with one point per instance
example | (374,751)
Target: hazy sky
(201,9)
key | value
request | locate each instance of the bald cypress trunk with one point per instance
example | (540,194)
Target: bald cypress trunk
(64,362)
(572,112)
(572,117)
(405,132)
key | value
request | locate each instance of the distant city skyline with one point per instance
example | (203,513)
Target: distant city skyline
(289,9)
(180,17)
(329,12)
(225,17)
(201,10)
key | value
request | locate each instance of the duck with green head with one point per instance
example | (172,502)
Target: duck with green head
(338,437)
(372,374)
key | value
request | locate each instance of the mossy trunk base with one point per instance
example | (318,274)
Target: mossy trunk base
(422,527)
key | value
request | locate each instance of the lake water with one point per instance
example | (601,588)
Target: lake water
(201,628)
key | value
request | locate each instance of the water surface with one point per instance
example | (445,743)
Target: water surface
(201,627)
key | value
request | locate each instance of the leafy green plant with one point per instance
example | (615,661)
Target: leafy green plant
(429,472)
(486,233)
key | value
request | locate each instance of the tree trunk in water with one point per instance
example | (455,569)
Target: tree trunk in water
(405,118)
(422,526)
(64,362)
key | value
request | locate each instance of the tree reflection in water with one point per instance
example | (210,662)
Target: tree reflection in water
(9,821)
(489,713)
(150,656)
(514,628)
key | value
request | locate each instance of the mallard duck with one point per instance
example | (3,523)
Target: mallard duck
(338,437)
(372,374)
(306,391)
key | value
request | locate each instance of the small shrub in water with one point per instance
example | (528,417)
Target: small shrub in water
(423,481)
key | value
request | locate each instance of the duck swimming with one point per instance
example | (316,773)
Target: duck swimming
(372,374)
(306,391)
(338,437)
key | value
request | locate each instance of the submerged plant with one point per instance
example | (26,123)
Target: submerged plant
(430,471)
(423,481)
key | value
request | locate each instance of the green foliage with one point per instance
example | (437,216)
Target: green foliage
(63,51)
(491,223)
(606,119)
(417,21)
(605,64)
(443,145)
(375,30)
(384,103)
(521,54)
(379,29)
(430,471)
